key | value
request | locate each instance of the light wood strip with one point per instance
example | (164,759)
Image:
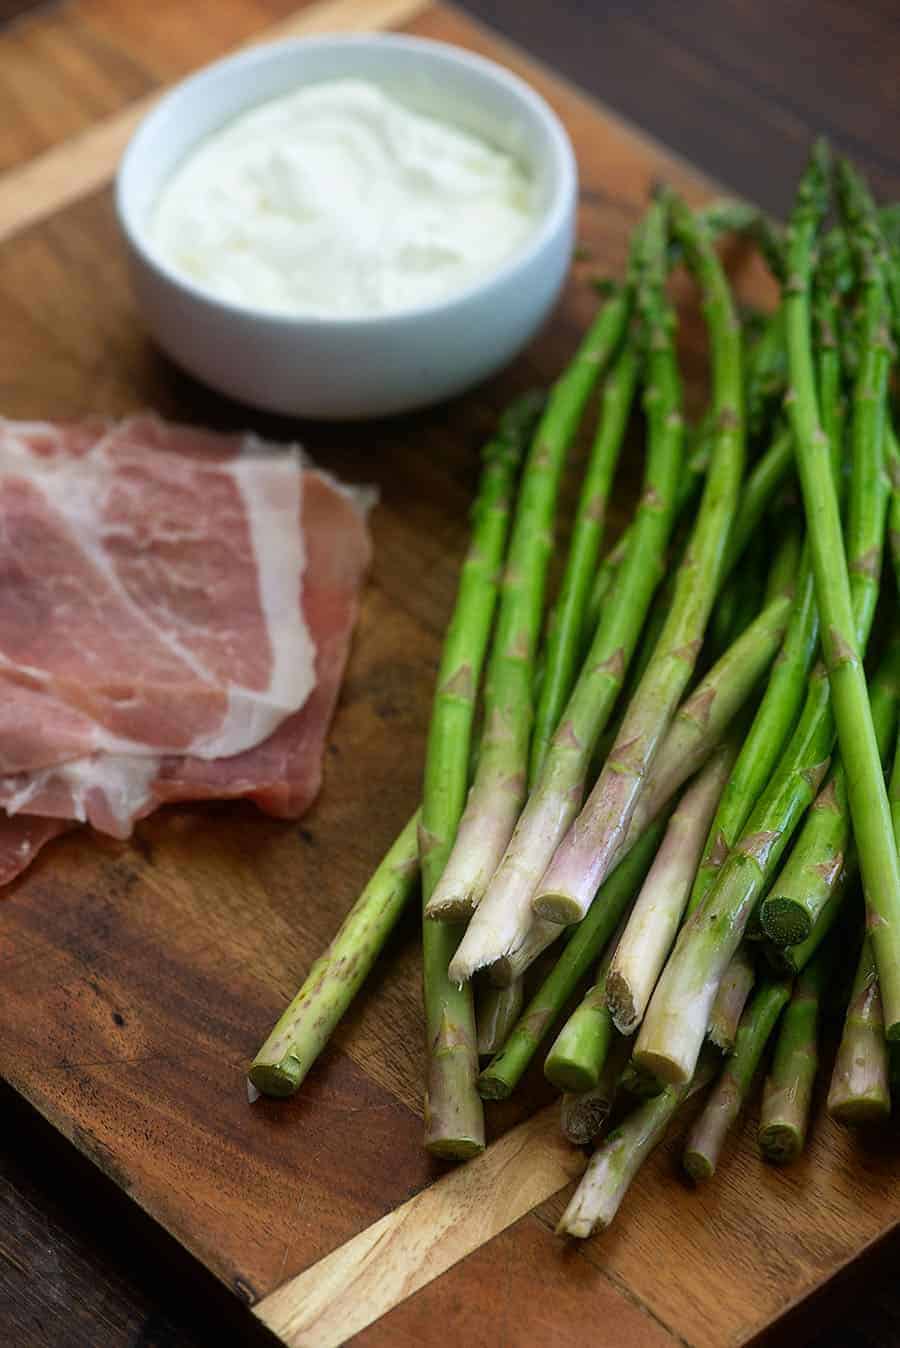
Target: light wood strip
(409,1247)
(84,163)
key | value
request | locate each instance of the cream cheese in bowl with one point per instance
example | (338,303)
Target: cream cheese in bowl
(339,200)
(347,226)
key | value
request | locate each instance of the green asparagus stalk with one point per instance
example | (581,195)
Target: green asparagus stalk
(496,1013)
(895,791)
(787,1093)
(585,855)
(894,518)
(337,975)
(653,924)
(454,1124)
(696,731)
(579,1052)
(679,1011)
(772,724)
(583,1113)
(500,779)
(791,959)
(503,1073)
(696,461)
(860,1085)
(564,639)
(790,909)
(765,377)
(780,707)
(709,1131)
(502,919)
(614,1165)
(673,1028)
(868,797)
(731,998)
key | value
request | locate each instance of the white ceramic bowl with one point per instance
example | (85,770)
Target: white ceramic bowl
(344,368)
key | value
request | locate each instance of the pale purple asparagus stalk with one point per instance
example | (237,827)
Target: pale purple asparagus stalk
(588,851)
(652,927)
(860,1084)
(734,989)
(696,731)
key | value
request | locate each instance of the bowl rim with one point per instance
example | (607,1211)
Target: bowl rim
(553,218)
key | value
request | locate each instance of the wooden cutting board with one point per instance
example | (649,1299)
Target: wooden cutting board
(138,979)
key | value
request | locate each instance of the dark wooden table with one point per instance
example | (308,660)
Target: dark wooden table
(738,87)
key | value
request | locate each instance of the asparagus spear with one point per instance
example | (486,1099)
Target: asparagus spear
(496,1012)
(673,1028)
(895,791)
(499,786)
(703,718)
(304,1028)
(696,461)
(337,975)
(579,1052)
(765,373)
(614,1164)
(651,929)
(583,1113)
(564,639)
(790,909)
(787,1093)
(586,853)
(894,474)
(731,998)
(678,1015)
(860,1085)
(454,1124)
(503,916)
(696,731)
(503,1073)
(708,1133)
(868,798)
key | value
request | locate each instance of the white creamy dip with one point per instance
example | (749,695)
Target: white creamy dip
(338,200)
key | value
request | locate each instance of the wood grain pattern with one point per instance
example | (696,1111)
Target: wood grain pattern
(139,977)
(74,168)
(409,1247)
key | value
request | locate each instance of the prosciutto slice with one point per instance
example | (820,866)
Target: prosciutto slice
(175,614)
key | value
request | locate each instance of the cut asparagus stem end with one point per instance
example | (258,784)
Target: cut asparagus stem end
(785,921)
(697,1165)
(583,1114)
(454,1119)
(568,1075)
(493,1087)
(780,1142)
(664,1067)
(859,1110)
(279,1079)
(450,910)
(621,1003)
(559,908)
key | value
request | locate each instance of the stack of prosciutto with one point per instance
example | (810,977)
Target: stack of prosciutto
(175,614)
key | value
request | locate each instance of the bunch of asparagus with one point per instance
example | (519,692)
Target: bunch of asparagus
(680,772)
